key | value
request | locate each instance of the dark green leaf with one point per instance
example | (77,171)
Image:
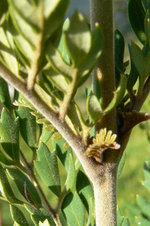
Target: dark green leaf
(25,186)
(4,94)
(4,158)
(147,26)
(9,133)
(74,210)
(6,188)
(47,168)
(28,126)
(86,194)
(18,216)
(3,9)
(137,17)
(119,54)
(133,76)
(146,4)
(119,50)
(141,62)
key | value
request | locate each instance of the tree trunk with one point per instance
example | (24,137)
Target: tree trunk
(105,190)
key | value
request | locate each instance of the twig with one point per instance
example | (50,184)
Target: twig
(91,168)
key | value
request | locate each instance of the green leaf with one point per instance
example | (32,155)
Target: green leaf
(4,158)
(18,216)
(28,126)
(58,63)
(7,56)
(62,47)
(74,210)
(3,10)
(142,221)
(125,222)
(71,173)
(78,38)
(49,100)
(120,218)
(146,184)
(119,50)
(146,4)
(133,76)
(92,57)
(6,188)
(86,194)
(27,19)
(9,133)
(47,167)
(94,109)
(54,12)
(147,26)
(42,215)
(144,205)
(25,186)
(57,79)
(119,94)
(119,54)
(4,94)
(147,170)
(121,165)
(141,62)
(137,16)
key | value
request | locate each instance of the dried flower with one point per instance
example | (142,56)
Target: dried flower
(103,140)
